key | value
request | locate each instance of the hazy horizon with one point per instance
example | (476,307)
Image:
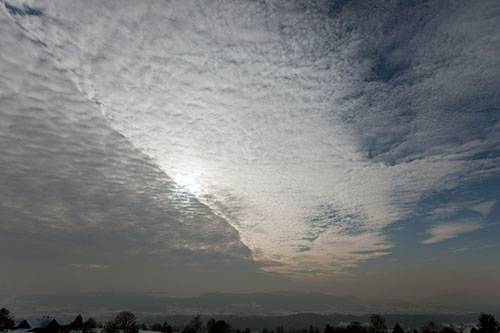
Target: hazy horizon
(153,306)
(347,148)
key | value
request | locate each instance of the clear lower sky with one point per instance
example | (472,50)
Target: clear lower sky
(344,147)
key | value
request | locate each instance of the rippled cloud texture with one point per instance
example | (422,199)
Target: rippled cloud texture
(300,131)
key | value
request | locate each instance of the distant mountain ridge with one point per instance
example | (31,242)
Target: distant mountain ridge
(277,303)
(280,303)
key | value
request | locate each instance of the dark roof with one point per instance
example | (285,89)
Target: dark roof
(37,323)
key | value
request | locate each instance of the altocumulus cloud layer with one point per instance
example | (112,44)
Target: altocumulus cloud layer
(71,182)
(305,130)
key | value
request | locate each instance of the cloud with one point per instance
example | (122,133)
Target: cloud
(72,182)
(448,210)
(445,231)
(460,249)
(456,208)
(484,208)
(283,126)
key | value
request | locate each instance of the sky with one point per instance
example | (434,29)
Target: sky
(344,147)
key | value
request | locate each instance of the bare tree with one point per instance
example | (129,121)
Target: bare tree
(430,327)
(126,321)
(220,326)
(377,324)
(110,327)
(196,323)
(6,320)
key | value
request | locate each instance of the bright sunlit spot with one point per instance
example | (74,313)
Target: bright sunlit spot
(188,182)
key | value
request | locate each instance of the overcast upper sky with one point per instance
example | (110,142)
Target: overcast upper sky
(348,147)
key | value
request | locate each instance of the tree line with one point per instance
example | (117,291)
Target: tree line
(486,323)
(125,322)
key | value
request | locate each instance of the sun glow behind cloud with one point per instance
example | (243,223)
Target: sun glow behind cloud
(275,117)
(188,182)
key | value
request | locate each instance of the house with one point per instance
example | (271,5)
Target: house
(41,325)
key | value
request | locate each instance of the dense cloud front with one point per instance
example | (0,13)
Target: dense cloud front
(302,132)
(75,189)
